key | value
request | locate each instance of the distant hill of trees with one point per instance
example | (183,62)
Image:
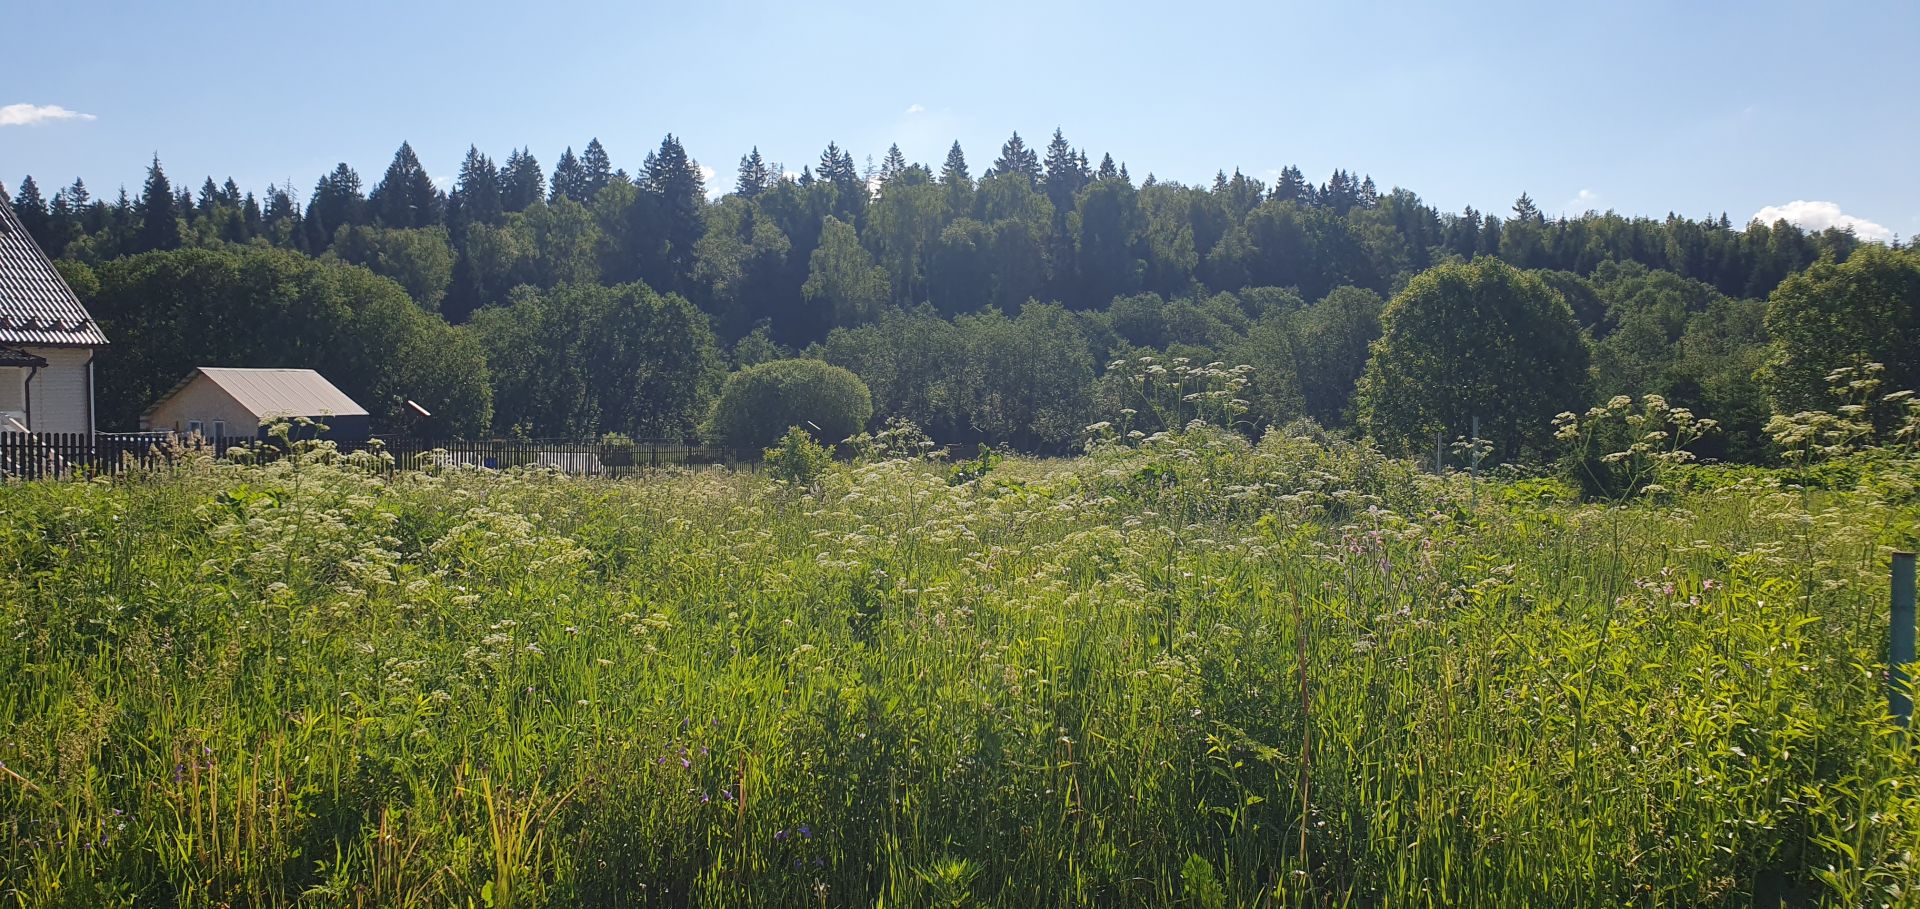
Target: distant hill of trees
(983,305)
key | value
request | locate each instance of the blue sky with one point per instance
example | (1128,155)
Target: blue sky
(1643,107)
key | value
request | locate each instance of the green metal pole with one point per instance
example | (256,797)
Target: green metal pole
(1900,645)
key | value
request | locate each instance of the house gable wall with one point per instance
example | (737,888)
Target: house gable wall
(58,397)
(206,401)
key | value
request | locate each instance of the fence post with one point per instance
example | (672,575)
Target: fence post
(1900,643)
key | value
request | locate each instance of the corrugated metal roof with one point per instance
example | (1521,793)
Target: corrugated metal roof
(278,392)
(36,306)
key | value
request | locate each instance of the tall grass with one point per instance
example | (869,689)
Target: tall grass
(1196,672)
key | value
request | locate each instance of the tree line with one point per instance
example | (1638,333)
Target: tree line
(587,299)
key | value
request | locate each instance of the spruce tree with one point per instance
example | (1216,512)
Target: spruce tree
(1066,173)
(336,201)
(521,184)
(159,217)
(597,170)
(677,194)
(1017,158)
(209,198)
(1107,169)
(1292,185)
(406,196)
(476,197)
(754,177)
(893,165)
(569,178)
(955,169)
(32,210)
(953,175)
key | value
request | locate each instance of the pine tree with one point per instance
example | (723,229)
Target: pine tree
(754,177)
(230,194)
(406,196)
(1017,158)
(597,170)
(521,183)
(569,178)
(806,176)
(159,217)
(1107,169)
(31,209)
(476,197)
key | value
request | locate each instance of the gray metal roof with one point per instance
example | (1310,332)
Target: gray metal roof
(276,392)
(36,305)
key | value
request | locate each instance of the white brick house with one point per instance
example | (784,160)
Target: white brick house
(47,341)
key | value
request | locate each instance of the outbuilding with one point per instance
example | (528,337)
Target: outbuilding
(217,402)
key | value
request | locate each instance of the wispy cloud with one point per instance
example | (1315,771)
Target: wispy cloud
(915,109)
(1820,216)
(36,114)
(1584,201)
(714,190)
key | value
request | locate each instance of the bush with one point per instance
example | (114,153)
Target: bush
(759,403)
(616,450)
(798,459)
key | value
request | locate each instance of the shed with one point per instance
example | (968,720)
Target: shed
(222,402)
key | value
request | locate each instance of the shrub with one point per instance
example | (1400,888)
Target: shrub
(759,403)
(616,450)
(797,459)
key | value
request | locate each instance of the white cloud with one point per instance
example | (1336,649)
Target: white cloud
(36,114)
(707,175)
(1820,216)
(1584,201)
(915,109)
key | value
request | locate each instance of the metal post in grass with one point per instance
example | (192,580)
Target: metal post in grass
(1900,643)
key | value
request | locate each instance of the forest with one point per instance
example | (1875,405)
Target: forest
(985,305)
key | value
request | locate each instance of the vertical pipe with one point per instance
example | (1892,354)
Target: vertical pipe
(1900,644)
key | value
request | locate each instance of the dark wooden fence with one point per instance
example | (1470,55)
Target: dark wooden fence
(43,455)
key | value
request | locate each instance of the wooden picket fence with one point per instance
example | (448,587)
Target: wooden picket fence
(40,455)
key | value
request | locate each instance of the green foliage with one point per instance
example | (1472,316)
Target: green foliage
(1199,887)
(581,359)
(1455,346)
(616,450)
(171,312)
(841,277)
(759,403)
(420,260)
(797,458)
(1844,314)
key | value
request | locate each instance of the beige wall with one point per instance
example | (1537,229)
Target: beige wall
(13,395)
(60,391)
(204,401)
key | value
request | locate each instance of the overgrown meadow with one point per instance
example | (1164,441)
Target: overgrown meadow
(1189,672)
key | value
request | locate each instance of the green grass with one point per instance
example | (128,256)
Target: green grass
(1200,674)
